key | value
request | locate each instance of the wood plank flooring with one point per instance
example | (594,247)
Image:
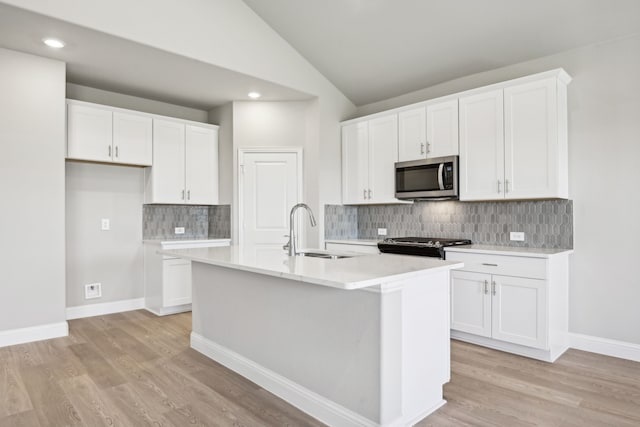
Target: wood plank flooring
(136,369)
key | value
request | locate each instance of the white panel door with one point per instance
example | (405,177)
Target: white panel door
(269,187)
(412,134)
(168,162)
(383,153)
(531,140)
(482,146)
(89,133)
(201,182)
(471,302)
(442,129)
(176,281)
(355,162)
(132,139)
(519,311)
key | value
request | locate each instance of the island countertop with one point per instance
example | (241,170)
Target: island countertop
(356,272)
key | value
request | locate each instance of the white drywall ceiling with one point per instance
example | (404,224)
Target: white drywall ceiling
(376,49)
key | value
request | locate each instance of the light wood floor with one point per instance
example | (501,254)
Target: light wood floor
(136,369)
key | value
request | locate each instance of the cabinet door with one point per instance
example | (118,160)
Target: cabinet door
(531,140)
(355,162)
(482,146)
(176,281)
(383,153)
(89,133)
(519,311)
(168,162)
(412,134)
(471,302)
(132,139)
(201,165)
(442,129)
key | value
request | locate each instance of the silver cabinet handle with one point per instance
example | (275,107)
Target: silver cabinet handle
(486,287)
(499,187)
(369,193)
(422,148)
(506,185)
(364,193)
(109,151)
(493,288)
(188,194)
(489,265)
(116,151)
(428,147)
(182,194)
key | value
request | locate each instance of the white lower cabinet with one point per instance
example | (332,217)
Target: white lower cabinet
(167,280)
(513,303)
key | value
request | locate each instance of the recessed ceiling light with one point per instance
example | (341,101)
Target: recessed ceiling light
(54,43)
(254,95)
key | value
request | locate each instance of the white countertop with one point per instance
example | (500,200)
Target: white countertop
(346,273)
(366,242)
(509,250)
(185,242)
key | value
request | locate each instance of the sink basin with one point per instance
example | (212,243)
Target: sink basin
(325,255)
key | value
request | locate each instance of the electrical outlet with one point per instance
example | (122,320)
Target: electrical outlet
(382,231)
(105,224)
(93,290)
(517,236)
(179,230)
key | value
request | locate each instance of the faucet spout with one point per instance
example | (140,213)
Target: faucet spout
(291,245)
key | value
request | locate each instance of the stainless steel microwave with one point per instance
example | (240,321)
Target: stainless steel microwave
(435,178)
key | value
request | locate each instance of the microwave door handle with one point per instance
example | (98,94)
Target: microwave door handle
(440,177)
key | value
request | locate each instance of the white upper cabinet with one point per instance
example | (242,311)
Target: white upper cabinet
(355,162)
(132,139)
(201,165)
(412,134)
(535,150)
(89,133)
(369,152)
(482,146)
(442,129)
(185,164)
(104,134)
(428,131)
(513,140)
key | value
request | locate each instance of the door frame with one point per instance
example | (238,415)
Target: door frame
(298,151)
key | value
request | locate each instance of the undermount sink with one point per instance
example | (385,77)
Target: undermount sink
(322,255)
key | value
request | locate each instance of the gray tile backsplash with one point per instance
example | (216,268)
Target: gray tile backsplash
(546,223)
(199,222)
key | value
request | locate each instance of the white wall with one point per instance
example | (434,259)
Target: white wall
(114,99)
(32,137)
(113,258)
(604,148)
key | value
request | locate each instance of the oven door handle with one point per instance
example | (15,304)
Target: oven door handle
(440,176)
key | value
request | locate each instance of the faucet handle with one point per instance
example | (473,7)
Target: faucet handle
(288,244)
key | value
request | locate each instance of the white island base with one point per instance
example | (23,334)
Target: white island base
(376,356)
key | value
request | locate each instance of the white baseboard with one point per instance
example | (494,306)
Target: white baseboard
(169,310)
(90,310)
(33,333)
(620,349)
(302,398)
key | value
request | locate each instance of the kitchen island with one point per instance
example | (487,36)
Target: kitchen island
(358,341)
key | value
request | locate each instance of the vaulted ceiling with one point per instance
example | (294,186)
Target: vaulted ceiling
(376,49)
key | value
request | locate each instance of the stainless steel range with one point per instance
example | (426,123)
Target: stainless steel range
(423,246)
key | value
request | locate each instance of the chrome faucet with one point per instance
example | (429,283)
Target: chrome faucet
(291,244)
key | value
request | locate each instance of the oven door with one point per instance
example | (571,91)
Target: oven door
(435,178)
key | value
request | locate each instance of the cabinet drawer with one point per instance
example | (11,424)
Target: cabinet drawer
(535,268)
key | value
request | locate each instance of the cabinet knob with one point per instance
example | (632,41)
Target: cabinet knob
(182,194)
(421,148)
(493,288)
(499,187)
(506,185)
(369,193)
(188,194)
(109,151)
(486,287)
(364,193)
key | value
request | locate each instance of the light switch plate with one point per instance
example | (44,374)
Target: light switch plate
(517,236)
(179,230)
(105,224)
(382,231)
